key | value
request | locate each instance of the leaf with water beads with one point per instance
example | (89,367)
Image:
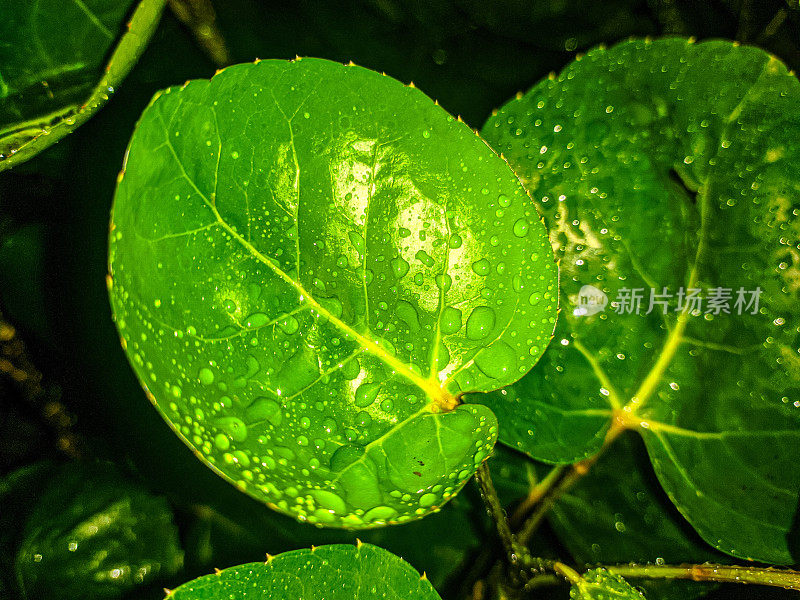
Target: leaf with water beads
(667,165)
(309,263)
(335,572)
(599,584)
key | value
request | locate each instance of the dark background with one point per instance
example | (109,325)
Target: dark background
(471,55)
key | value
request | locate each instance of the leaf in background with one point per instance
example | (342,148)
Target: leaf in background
(92,534)
(336,572)
(612,150)
(617,513)
(599,584)
(308,261)
(50,66)
(18,491)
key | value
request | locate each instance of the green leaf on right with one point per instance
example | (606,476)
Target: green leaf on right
(668,171)
(599,584)
(335,572)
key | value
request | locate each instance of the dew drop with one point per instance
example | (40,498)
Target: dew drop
(289,324)
(206,376)
(521,227)
(256,320)
(427,500)
(233,427)
(425,258)
(497,361)
(357,240)
(264,409)
(399,267)
(481,267)
(480,322)
(450,321)
(366,394)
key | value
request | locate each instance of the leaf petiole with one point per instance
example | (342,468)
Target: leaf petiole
(782,578)
(552,488)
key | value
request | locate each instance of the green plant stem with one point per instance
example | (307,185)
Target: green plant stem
(540,489)
(514,550)
(553,488)
(35,137)
(782,578)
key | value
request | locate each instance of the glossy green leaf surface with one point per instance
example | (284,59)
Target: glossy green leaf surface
(599,584)
(671,166)
(336,572)
(309,262)
(92,534)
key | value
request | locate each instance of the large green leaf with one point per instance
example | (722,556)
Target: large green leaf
(92,534)
(51,66)
(309,262)
(613,150)
(336,572)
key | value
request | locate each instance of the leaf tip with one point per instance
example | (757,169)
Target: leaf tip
(424,576)
(359,543)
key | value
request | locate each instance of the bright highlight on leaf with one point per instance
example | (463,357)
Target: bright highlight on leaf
(671,168)
(309,263)
(336,572)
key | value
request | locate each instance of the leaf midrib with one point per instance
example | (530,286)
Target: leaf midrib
(675,336)
(437,395)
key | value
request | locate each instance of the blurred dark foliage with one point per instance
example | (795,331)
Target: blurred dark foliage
(65,386)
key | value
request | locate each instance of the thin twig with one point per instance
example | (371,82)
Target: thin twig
(495,509)
(537,492)
(773,26)
(201,19)
(558,487)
